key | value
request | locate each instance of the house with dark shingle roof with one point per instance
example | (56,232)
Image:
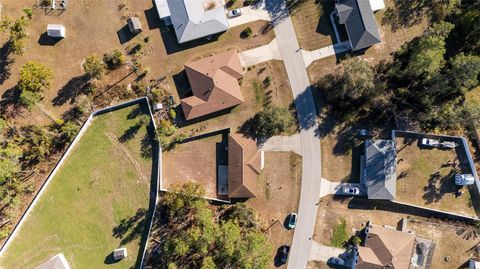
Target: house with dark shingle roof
(245,163)
(361,25)
(214,83)
(378,170)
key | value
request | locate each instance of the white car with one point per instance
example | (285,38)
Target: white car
(351,190)
(234,13)
(430,142)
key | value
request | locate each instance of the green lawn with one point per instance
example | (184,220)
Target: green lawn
(98,201)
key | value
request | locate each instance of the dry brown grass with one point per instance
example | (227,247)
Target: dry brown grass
(331,210)
(278,195)
(420,187)
(312,24)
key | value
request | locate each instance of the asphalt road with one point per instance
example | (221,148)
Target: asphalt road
(306,111)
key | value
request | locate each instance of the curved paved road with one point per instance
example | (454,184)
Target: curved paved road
(310,143)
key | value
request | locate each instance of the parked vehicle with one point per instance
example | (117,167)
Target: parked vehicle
(364,134)
(234,13)
(428,142)
(464,179)
(351,190)
(292,221)
(284,253)
(336,261)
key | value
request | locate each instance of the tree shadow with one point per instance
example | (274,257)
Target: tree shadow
(131,132)
(146,146)
(131,228)
(404,14)
(138,110)
(6,62)
(70,91)
(438,185)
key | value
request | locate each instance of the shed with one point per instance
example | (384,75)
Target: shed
(119,253)
(56,30)
(134,25)
(377,5)
(56,262)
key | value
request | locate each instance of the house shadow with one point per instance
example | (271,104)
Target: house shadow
(124,34)
(171,43)
(45,40)
(109,259)
(182,84)
(153,19)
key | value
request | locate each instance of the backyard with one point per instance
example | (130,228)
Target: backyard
(98,201)
(425,177)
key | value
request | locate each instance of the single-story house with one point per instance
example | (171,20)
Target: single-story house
(56,30)
(360,22)
(245,163)
(56,262)
(193,19)
(378,169)
(214,83)
(385,247)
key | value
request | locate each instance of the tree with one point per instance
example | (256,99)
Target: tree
(181,198)
(94,67)
(426,56)
(208,263)
(17,31)
(172,266)
(465,70)
(272,121)
(34,79)
(254,251)
(36,143)
(241,214)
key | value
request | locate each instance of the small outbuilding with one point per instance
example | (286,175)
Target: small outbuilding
(134,25)
(119,253)
(56,30)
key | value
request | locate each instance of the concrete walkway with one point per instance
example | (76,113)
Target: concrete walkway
(320,252)
(260,54)
(311,56)
(250,14)
(284,143)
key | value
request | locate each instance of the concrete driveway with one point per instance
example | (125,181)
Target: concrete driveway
(250,14)
(260,54)
(320,252)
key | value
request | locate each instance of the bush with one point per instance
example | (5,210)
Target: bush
(271,121)
(267,81)
(114,59)
(246,33)
(94,67)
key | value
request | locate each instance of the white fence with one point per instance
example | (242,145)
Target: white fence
(65,156)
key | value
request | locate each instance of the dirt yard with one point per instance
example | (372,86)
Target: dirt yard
(340,158)
(332,210)
(196,161)
(88,31)
(279,192)
(425,178)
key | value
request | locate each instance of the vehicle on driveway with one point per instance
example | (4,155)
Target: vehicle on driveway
(284,253)
(234,13)
(292,221)
(351,190)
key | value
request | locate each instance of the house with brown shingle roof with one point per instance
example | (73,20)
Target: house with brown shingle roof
(214,83)
(245,162)
(385,247)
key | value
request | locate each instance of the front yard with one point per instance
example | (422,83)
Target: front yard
(98,200)
(425,177)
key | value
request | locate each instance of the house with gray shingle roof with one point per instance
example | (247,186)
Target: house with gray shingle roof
(358,18)
(378,170)
(193,19)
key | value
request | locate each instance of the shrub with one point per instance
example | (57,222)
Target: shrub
(267,81)
(114,59)
(246,33)
(94,67)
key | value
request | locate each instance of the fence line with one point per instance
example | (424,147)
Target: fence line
(52,174)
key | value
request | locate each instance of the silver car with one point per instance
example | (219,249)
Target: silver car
(234,13)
